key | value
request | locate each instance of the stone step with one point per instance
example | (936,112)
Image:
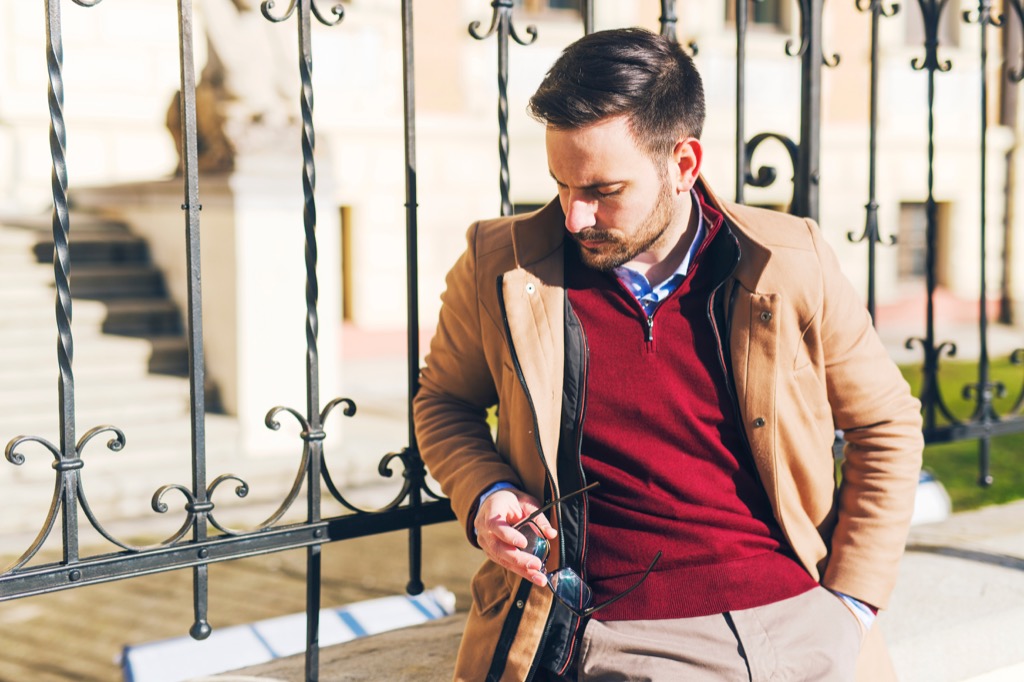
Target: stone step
(116,281)
(41,319)
(78,222)
(94,390)
(98,247)
(142,434)
(161,354)
(142,317)
(24,277)
(15,375)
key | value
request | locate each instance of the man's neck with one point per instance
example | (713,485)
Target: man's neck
(662,260)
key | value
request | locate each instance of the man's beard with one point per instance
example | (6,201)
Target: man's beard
(616,251)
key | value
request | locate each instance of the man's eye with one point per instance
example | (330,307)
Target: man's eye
(611,193)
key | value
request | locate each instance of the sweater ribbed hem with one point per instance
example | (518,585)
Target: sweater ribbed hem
(692,591)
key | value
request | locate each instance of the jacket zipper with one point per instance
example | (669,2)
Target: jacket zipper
(580,416)
(734,401)
(536,437)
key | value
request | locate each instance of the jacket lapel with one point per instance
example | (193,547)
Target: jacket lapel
(533,295)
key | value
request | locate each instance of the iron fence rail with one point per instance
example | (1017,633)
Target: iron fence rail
(416,505)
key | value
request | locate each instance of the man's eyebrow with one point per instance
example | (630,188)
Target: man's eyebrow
(593,185)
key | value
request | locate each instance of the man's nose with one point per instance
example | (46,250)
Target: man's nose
(580,214)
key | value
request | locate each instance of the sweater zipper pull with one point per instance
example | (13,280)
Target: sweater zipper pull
(650,328)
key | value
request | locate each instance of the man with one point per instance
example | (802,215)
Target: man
(690,357)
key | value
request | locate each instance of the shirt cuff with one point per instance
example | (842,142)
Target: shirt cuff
(502,485)
(865,613)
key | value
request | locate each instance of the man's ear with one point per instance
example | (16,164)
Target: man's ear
(686,161)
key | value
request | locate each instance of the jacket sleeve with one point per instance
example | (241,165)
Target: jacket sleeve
(456,389)
(881,422)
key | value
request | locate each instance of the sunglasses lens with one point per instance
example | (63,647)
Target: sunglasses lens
(571,589)
(536,543)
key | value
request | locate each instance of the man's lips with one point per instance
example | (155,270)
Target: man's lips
(592,241)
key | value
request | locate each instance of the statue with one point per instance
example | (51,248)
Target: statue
(245,98)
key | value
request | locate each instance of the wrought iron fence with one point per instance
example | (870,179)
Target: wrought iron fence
(416,504)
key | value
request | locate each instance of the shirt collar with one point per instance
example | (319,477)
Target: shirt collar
(629,275)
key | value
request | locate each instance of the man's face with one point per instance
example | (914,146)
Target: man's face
(619,204)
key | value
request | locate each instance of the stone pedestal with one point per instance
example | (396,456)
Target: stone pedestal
(254,281)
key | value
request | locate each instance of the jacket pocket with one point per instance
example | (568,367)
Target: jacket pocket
(490,587)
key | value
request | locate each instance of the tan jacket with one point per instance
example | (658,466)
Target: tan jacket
(805,359)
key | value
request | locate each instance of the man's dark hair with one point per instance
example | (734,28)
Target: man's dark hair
(627,72)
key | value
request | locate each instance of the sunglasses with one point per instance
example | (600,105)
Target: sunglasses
(568,587)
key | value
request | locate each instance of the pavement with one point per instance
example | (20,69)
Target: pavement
(957,615)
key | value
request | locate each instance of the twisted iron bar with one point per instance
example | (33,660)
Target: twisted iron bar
(501,23)
(806,28)
(668,20)
(312,434)
(871,230)
(68,471)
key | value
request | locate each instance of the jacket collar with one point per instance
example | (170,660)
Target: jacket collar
(537,235)
(755,254)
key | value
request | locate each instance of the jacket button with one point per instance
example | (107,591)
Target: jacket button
(759,422)
(766,316)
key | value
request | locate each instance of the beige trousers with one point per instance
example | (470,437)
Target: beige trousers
(810,637)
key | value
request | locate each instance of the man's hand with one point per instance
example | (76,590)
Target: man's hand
(501,542)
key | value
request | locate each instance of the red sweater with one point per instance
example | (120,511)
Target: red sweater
(662,438)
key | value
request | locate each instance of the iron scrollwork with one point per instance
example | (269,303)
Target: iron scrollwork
(878,6)
(68,481)
(806,28)
(766,175)
(1017,358)
(931,13)
(338,10)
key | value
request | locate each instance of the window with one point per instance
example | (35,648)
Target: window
(912,241)
(760,13)
(541,6)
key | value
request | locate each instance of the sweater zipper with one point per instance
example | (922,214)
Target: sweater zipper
(648,318)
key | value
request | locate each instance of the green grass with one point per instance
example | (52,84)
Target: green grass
(956,464)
